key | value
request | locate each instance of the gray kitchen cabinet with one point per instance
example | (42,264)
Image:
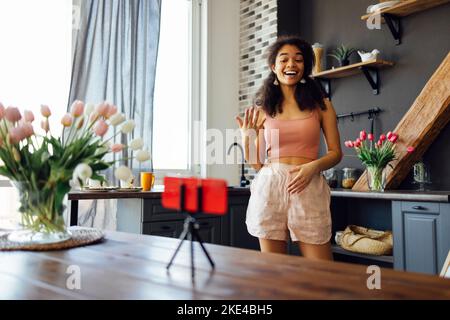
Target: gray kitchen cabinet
(160,221)
(239,236)
(421,235)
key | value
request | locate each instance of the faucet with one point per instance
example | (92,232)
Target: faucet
(244,181)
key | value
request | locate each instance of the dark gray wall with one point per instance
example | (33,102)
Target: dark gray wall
(426,42)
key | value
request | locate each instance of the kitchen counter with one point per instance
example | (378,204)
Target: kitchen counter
(131,266)
(404,195)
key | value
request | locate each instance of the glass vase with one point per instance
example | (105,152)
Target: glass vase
(41,215)
(376,178)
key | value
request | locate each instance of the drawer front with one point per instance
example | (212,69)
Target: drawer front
(170,229)
(420,207)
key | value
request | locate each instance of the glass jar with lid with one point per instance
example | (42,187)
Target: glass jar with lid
(349,177)
(331,177)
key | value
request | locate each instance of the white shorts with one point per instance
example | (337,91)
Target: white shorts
(275,214)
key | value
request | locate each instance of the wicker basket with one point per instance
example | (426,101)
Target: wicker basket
(367,241)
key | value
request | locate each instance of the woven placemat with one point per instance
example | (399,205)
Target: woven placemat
(81,236)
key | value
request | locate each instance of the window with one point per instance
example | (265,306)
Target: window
(35,64)
(176,85)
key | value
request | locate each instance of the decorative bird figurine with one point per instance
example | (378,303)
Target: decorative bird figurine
(366,56)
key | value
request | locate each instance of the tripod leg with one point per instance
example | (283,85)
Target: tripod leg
(182,238)
(200,241)
(192,254)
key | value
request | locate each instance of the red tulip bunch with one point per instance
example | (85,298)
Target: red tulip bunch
(375,153)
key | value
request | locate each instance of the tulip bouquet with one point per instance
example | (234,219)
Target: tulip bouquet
(44,168)
(376,155)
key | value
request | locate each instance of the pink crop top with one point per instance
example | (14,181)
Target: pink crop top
(297,138)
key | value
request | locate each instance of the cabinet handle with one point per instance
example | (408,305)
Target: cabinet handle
(166,227)
(419,208)
(204,223)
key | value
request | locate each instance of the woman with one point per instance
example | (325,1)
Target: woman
(289,195)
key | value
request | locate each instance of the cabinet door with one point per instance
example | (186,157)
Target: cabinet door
(420,236)
(239,236)
(210,230)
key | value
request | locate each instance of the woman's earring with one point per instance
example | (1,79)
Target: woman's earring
(276,82)
(303,81)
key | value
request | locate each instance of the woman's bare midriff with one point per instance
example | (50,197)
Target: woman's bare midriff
(291,160)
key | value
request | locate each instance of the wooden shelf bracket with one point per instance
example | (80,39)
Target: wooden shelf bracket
(373,78)
(395,26)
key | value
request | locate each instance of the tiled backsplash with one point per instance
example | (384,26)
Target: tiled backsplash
(258,29)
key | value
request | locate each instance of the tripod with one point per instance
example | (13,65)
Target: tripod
(190,231)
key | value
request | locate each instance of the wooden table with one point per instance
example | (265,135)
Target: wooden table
(129,266)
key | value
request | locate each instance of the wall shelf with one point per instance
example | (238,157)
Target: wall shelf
(392,16)
(368,68)
(339,250)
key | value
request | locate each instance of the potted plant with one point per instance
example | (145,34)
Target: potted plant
(342,54)
(44,167)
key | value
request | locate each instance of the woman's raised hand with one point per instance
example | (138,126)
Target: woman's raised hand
(249,125)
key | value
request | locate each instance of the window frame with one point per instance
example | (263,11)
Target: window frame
(197,23)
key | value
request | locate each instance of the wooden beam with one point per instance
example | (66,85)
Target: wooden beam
(428,115)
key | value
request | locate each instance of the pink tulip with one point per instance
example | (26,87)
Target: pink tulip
(358,140)
(28,129)
(117,147)
(112,110)
(28,116)
(67,120)
(410,149)
(2,111)
(370,137)
(347,144)
(77,108)
(45,111)
(389,135)
(393,138)
(45,125)
(357,144)
(363,135)
(12,114)
(382,137)
(80,123)
(16,134)
(102,109)
(379,143)
(101,128)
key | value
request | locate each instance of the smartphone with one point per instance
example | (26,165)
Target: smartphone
(214,195)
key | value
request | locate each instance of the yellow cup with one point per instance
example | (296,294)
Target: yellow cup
(147,180)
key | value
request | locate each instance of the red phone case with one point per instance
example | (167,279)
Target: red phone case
(214,195)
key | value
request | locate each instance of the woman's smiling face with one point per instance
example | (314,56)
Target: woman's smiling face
(289,66)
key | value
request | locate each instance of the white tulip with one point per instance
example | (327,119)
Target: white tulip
(88,109)
(122,173)
(117,119)
(137,144)
(128,126)
(142,156)
(82,172)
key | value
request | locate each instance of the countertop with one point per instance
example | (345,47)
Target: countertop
(403,195)
(130,266)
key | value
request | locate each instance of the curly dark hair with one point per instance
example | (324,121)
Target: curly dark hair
(309,95)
